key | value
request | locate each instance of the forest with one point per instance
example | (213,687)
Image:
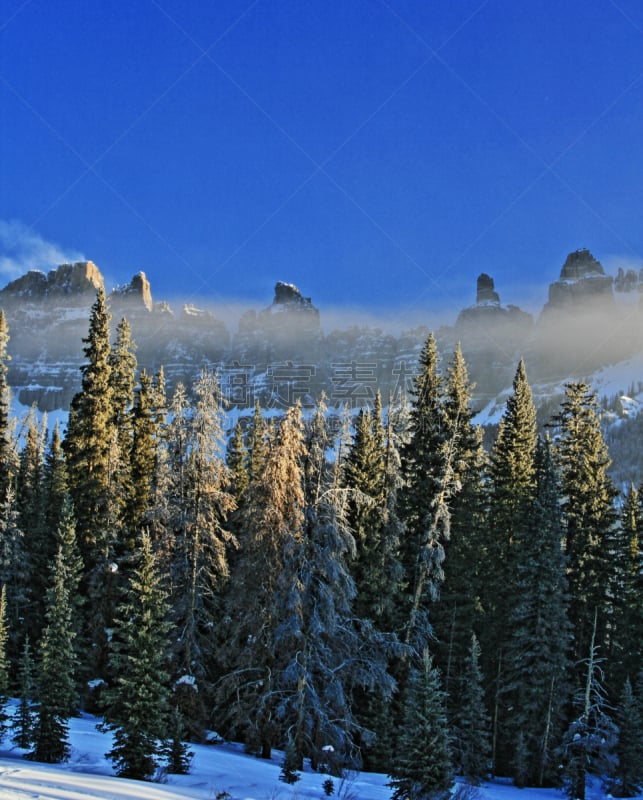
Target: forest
(391,597)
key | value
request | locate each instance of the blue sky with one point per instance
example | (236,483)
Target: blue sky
(377,153)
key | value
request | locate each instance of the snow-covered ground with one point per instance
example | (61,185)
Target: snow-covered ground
(219,772)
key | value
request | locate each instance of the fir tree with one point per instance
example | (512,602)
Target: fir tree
(143,453)
(56,674)
(237,461)
(422,764)
(138,702)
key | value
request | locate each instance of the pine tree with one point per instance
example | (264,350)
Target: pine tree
(589,515)
(422,764)
(472,728)
(56,675)
(24,720)
(137,703)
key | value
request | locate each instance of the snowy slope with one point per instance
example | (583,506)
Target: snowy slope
(216,770)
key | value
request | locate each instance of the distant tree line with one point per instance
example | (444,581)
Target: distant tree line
(393,598)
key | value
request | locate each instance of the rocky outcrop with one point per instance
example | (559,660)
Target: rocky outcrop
(136,295)
(582,286)
(69,283)
(485,291)
(290,317)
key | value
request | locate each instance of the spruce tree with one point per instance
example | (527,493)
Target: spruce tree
(589,515)
(471,741)
(90,448)
(271,528)
(201,553)
(24,720)
(458,613)
(39,547)
(535,689)
(8,459)
(138,702)
(4,663)
(512,490)
(237,461)
(627,780)
(142,456)
(626,637)
(589,741)
(56,693)
(55,489)
(422,762)
(427,472)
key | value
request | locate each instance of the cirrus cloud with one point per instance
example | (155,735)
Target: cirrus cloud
(22,249)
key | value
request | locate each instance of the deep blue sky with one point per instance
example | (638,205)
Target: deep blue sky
(374,153)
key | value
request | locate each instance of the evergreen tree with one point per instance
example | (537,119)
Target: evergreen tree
(458,613)
(201,562)
(55,489)
(24,720)
(237,461)
(589,516)
(329,650)
(536,660)
(143,453)
(90,448)
(626,594)
(13,569)
(427,472)
(30,501)
(137,703)
(628,775)
(4,663)
(589,740)
(271,528)
(512,491)
(472,729)
(56,678)
(8,460)
(422,765)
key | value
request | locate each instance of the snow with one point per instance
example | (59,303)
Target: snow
(215,770)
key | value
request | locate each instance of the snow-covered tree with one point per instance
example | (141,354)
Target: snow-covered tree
(138,702)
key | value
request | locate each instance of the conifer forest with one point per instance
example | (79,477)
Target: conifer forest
(390,597)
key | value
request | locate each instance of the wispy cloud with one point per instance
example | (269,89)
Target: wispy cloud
(22,249)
